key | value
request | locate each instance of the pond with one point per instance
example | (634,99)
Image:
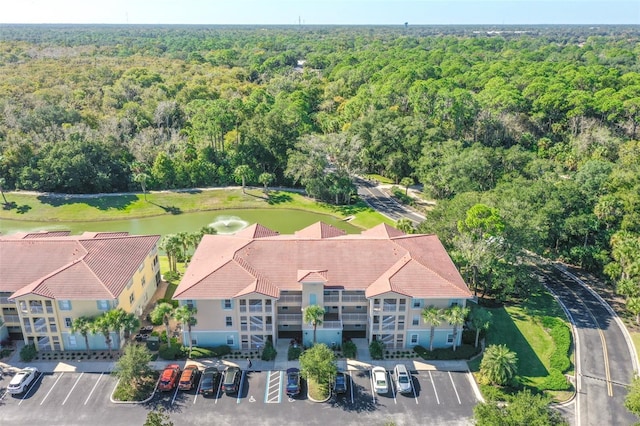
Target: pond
(224,221)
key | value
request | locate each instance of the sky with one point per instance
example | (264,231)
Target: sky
(321,12)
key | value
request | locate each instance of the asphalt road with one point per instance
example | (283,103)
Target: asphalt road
(604,364)
(378,200)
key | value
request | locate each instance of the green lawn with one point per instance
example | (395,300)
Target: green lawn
(635,337)
(72,208)
(519,327)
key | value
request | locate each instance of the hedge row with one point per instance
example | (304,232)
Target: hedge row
(561,336)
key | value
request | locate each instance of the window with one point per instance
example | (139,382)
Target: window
(230,341)
(191,304)
(23,306)
(417,303)
(194,342)
(26,323)
(415,320)
(228,321)
(68,322)
(52,325)
(103,305)
(130,283)
(72,341)
(143,281)
(450,338)
(454,303)
(414,339)
(226,303)
(64,305)
(243,323)
(401,322)
(131,298)
(48,306)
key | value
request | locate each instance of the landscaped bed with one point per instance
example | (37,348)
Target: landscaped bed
(136,390)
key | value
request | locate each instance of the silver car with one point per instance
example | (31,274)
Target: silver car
(22,380)
(402,378)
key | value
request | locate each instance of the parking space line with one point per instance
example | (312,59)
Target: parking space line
(219,391)
(175,394)
(242,377)
(351,386)
(413,389)
(3,395)
(455,389)
(31,386)
(73,387)
(434,387)
(393,391)
(198,389)
(94,388)
(54,385)
(373,389)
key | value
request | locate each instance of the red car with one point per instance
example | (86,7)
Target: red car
(169,377)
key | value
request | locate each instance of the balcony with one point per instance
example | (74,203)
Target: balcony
(331,298)
(255,308)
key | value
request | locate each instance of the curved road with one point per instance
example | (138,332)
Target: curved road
(604,361)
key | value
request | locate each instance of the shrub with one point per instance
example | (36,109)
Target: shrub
(171,276)
(198,352)
(269,352)
(28,353)
(294,353)
(376,349)
(556,381)
(349,348)
(222,350)
(170,353)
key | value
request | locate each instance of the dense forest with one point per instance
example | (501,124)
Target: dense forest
(524,137)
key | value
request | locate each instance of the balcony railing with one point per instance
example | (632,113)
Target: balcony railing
(297,318)
(291,299)
(255,308)
(354,317)
(5,301)
(36,309)
(11,318)
(256,327)
(331,298)
(332,325)
(353,298)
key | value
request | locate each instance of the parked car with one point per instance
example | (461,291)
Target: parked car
(340,384)
(293,381)
(210,381)
(380,384)
(169,377)
(189,377)
(402,378)
(22,380)
(232,377)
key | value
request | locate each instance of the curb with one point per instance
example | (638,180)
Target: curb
(144,401)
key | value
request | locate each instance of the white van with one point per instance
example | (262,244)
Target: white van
(402,378)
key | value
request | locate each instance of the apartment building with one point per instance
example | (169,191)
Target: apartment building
(256,284)
(48,279)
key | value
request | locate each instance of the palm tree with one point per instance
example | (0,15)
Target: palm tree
(170,244)
(499,364)
(433,317)
(406,182)
(456,315)
(480,319)
(185,315)
(130,323)
(116,318)
(163,313)
(242,173)
(405,225)
(103,325)
(266,178)
(83,326)
(313,314)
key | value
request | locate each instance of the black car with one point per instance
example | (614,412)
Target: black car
(210,381)
(340,384)
(232,377)
(293,381)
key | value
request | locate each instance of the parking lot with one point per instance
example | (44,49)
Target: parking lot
(437,397)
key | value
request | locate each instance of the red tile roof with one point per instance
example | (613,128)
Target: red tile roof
(90,266)
(379,260)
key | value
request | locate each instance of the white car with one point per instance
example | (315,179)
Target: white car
(380,384)
(22,380)
(402,378)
